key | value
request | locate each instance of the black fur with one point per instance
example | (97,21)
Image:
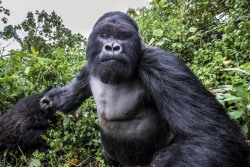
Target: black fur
(23,124)
(133,152)
(205,134)
(195,129)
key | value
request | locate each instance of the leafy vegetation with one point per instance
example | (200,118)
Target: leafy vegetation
(43,32)
(213,38)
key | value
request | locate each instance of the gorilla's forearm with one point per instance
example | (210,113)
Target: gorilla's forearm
(71,96)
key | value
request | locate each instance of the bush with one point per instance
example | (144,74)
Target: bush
(74,139)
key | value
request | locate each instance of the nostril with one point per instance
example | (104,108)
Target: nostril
(116,48)
(112,48)
(108,47)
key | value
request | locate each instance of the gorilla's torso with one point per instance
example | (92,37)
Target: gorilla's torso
(131,129)
(123,110)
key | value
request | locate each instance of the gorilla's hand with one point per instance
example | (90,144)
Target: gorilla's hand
(52,99)
(46,103)
(68,97)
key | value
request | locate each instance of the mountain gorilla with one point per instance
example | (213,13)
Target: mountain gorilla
(151,108)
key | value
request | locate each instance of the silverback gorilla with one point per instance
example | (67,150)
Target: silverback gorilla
(24,123)
(151,108)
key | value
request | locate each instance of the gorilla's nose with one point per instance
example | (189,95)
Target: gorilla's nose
(113,48)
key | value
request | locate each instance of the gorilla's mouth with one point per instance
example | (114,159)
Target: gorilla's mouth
(109,59)
(112,58)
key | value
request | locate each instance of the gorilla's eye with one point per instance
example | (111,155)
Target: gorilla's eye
(104,35)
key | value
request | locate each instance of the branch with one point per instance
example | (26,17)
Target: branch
(38,26)
(220,90)
(234,69)
(3,49)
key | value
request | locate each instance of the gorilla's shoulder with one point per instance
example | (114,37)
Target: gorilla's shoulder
(156,57)
(155,52)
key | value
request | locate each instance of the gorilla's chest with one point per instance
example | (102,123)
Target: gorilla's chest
(117,102)
(121,109)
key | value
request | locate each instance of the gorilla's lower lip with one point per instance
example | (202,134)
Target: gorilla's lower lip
(111,59)
(121,58)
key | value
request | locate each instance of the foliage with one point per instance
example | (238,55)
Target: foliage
(237,103)
(4,11)
(74,138)
(44,32)
(24,73)
(211,37)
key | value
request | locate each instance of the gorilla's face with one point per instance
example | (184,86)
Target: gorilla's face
(114,48)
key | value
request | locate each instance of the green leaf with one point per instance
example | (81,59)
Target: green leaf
(66,165)
(158,33)
(242,92)
(228,97)
(192,37)
(33,50)
(65,120)
(151,41)
(244,128)
(192,29)
(35,163)
(41,60)
(248,106)
(160,43)
(236,114)
(44,137)
(27,70)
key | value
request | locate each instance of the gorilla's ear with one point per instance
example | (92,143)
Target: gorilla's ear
(143,45)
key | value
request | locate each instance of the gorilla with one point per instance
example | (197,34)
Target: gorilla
(24,123)
(152,110)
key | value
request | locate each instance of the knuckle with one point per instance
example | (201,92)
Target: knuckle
(45,103)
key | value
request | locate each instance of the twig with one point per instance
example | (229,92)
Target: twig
(220,90)
(4,49)
(234,69)
(23,154)
(38,26)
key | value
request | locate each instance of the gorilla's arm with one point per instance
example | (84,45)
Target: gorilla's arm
(71,96)
(181,98)
(192,112)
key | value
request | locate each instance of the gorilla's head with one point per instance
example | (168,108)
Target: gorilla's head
(114,48)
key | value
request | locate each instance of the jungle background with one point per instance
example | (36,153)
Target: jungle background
(212,37)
